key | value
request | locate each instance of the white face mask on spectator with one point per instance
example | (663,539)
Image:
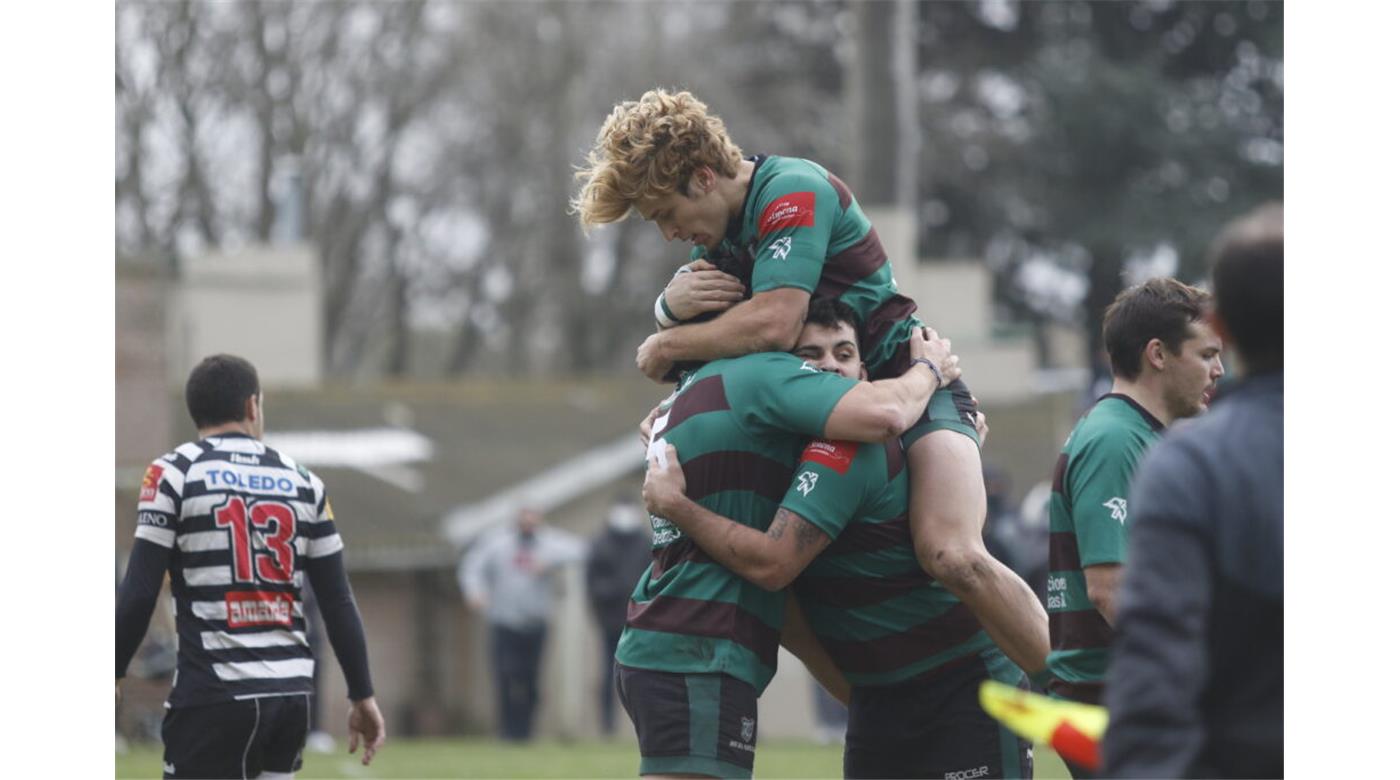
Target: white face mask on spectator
(624,518)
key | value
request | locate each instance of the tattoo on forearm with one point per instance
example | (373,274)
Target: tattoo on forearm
(807,535)
(778,527)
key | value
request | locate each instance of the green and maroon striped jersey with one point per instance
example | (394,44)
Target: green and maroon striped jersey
(882,619)
(801,227)
(1088,526)
(739,426)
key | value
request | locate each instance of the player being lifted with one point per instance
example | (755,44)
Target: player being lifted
(784,229)
(238,526)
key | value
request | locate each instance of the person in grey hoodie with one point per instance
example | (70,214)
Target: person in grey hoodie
(1195,687)
(510,577)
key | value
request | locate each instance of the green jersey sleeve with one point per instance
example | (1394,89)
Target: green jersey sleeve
(1099,481)
(831,482)
(775,391)
(797,212)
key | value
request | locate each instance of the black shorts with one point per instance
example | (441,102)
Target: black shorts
(704,724)
(935,728)
(236,739)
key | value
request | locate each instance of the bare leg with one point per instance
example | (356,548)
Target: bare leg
(947,507)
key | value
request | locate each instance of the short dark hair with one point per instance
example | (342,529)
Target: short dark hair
(831,313)
(218,388)
(1246,262)
(1161,308)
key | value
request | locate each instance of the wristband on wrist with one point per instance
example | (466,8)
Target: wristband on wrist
(937,375)
(664,317)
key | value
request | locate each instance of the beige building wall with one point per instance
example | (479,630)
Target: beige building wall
(262,303)
(955,298)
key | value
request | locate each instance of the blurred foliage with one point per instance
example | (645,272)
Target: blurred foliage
(1064,142)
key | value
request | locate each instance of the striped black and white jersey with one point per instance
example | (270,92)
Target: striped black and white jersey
(239,519)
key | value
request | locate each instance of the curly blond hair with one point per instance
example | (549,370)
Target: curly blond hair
(649,148)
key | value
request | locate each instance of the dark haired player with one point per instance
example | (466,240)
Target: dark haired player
(238,526)
(1165,363)
(914,655)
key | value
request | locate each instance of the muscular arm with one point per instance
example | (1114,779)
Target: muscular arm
(770,560)
(768,322)
(1102,580)
(136,598)
(799,639)
(875,411)
(343,626)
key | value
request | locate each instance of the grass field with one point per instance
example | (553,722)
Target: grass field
(473,758)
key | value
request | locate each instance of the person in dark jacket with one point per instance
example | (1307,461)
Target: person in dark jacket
(1195,688)
(616,559)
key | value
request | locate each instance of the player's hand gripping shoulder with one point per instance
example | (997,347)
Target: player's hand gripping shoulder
(925,344)
(664,488)
(700,288)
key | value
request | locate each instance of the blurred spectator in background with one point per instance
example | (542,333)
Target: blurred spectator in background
(616,559)
(509,577)
(1196,684)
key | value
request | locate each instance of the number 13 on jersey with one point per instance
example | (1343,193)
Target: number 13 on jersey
(271,557)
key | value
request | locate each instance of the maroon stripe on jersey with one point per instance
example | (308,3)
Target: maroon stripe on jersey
(843,193)
(871,537)
(706,395)
(676,553)
(852,264)
(1082,628)
(698,617)
(715,472)
(857,592)
(872,656)
(895,310)
(1064,551)
(1057,482)
(894,458)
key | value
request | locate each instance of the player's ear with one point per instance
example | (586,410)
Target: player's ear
(1155,353)
(252,409)
(704,179)
(863,374)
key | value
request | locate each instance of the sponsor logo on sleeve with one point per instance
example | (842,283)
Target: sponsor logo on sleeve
(835,455)
(796,209)
(151,518)
(258,608)
(150,483)
(1118,507)
(807,481)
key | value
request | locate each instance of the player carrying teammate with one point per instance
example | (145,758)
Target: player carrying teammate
(914,655)
(787,229)
(701,643)
(238,526)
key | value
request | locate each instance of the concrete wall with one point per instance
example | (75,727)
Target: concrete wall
(263,304)
(955,298)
